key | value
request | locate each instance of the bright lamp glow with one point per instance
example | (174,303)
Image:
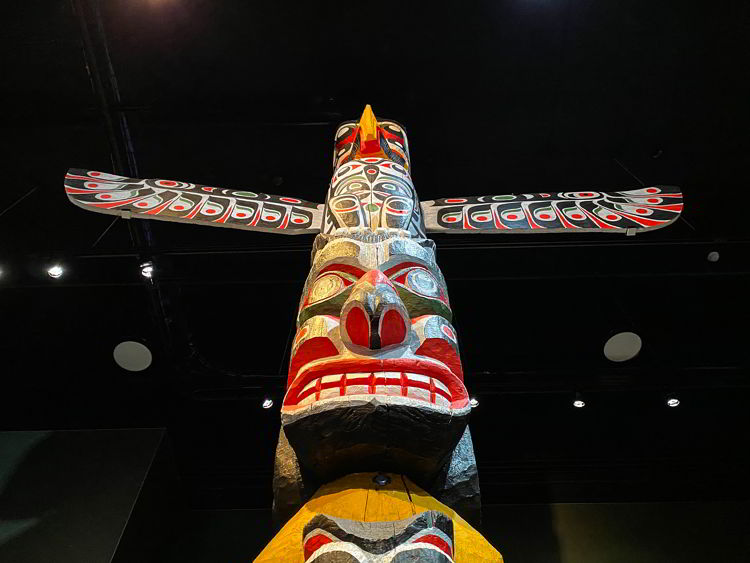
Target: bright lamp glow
(578,401)
(267,403)
(147,269)
(673,402)
(55,271)
(474,402)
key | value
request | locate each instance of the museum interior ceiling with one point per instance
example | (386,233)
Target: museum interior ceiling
(497,98)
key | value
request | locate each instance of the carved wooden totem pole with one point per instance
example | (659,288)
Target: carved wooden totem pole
(374,460)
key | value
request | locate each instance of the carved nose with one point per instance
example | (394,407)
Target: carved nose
(373,317)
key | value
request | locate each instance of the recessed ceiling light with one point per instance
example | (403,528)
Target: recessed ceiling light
(672,401)
(713,256)
(267,403)
(132,356)
(622,346)
(474,402)
(147,269)
(578,401)
(55,271)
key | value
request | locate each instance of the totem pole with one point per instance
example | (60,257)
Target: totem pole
(374,460)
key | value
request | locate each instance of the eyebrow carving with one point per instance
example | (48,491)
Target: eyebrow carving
(349,269)
(403,265)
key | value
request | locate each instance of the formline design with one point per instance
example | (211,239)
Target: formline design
(375,461)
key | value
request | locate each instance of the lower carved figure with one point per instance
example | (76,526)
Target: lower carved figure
(377,517)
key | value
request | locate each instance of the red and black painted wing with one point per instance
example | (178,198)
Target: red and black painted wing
(169,200)
(628,212)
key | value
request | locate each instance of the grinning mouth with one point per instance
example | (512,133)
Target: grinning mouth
(419,379)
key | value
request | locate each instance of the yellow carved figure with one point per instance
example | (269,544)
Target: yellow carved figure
(369,517)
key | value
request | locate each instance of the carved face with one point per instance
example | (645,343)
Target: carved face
(373,192)
(424,537)
(374,346)
(374,320)
(356,519)
(371,186)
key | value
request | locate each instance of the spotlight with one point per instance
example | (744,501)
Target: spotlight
(132,356)
(578,401)
(672,401)
(474,402)
(147,269)
(55,271)
(267,403)
(622,346)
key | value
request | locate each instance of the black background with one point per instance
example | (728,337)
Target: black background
(497,97)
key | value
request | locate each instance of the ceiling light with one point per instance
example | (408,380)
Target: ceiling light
(55,271)
(672,401)
(147,269)
(474,402)
(622,346)
(132,356)
(713,256)
(578,401)
(267,403)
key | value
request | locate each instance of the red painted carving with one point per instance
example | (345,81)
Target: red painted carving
(392,328)
(358,327)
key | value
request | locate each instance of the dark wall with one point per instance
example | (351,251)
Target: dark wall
(688,532)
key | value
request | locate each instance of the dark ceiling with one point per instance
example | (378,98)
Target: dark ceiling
(498,97)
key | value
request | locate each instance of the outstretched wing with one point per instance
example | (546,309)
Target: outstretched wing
(169,200)
(585,211)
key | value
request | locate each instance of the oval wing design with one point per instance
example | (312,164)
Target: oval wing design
(629,211)
(170,200)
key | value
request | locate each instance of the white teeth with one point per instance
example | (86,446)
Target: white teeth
(440,385)
(328,393)
(415,377)
(357,390)
(418,386)
(418,393)
(389,389)
(330,378)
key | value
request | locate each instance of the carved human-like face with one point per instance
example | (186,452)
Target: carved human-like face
(372,193)
(424,537)
(374,320)
(375,378)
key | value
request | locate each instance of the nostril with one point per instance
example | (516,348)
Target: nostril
(358,327)
(392,328)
